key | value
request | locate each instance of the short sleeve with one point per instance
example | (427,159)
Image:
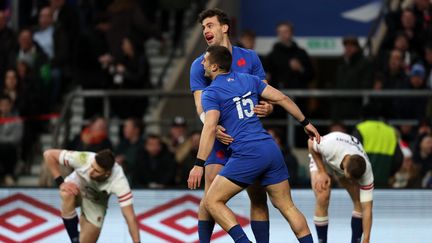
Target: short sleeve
(257,68)
(260,85)
(122,190)
(75,159)
(197,79)
(209,101)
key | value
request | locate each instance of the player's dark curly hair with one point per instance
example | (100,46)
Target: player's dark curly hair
(221,56)
(356,166)
(105,159)
(221,16)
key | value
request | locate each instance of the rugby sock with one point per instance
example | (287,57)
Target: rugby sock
(205,230)
(356,227)
(260,230)
(321,225)
(238,235)
(71,225)
(306,239)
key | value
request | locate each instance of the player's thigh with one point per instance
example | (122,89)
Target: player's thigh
(210,173)
(222,189)
(280,194)
(89,232)
(257,193)
(94,212)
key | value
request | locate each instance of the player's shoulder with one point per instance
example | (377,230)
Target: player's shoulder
(198,60)
(243,50)
(117,174)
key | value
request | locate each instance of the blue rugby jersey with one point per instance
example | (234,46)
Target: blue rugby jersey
(244,61)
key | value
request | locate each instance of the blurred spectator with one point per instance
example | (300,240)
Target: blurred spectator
(92,61)
(422,9)
(7,45)
(11,88)
(290,160)
(422,155)
(185,157)
(31,103)
(131,71)
(394,73)
(428,59)
(11,131)
(156,165)
(412,107)
(247,41)
(32,55)
(354,73)
(288,65)
(130,144)
(177,133)
(407,175)
(54,42)
(66,20)
(392,76)
(127,20)
(380,142)
(93,137)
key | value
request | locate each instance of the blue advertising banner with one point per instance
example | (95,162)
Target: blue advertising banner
(311,18)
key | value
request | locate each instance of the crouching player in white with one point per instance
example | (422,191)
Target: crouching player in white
(345,157)
(96,176)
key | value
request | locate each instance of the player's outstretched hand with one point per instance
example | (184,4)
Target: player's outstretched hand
(322,181)
(69,187)
(312,132)
(222,136)
(195,175)
(263,109)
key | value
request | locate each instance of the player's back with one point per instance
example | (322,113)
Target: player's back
(235,95)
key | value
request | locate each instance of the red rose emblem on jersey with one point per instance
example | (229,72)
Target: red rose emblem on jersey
(220,154)
(241,62)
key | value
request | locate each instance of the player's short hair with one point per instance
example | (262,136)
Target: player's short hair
(356,166)
(221,56)
(105,159)
(221,16)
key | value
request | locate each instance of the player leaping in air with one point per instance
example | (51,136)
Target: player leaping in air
(215,24)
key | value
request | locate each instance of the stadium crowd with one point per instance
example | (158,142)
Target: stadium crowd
(99,45)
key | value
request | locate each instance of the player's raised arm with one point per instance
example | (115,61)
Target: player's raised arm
(276,97)
(131,220)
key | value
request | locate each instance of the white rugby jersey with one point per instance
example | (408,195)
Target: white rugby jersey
(96,191)
(335,146)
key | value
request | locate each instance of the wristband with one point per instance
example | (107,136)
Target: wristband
(59,180)
(305,122)
(199,162)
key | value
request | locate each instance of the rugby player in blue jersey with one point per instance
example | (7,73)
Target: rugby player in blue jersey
(215,24)
(229,101)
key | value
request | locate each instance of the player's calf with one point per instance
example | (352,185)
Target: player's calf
(69,215)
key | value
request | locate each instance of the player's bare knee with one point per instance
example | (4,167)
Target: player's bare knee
(209,177)
(67,196)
